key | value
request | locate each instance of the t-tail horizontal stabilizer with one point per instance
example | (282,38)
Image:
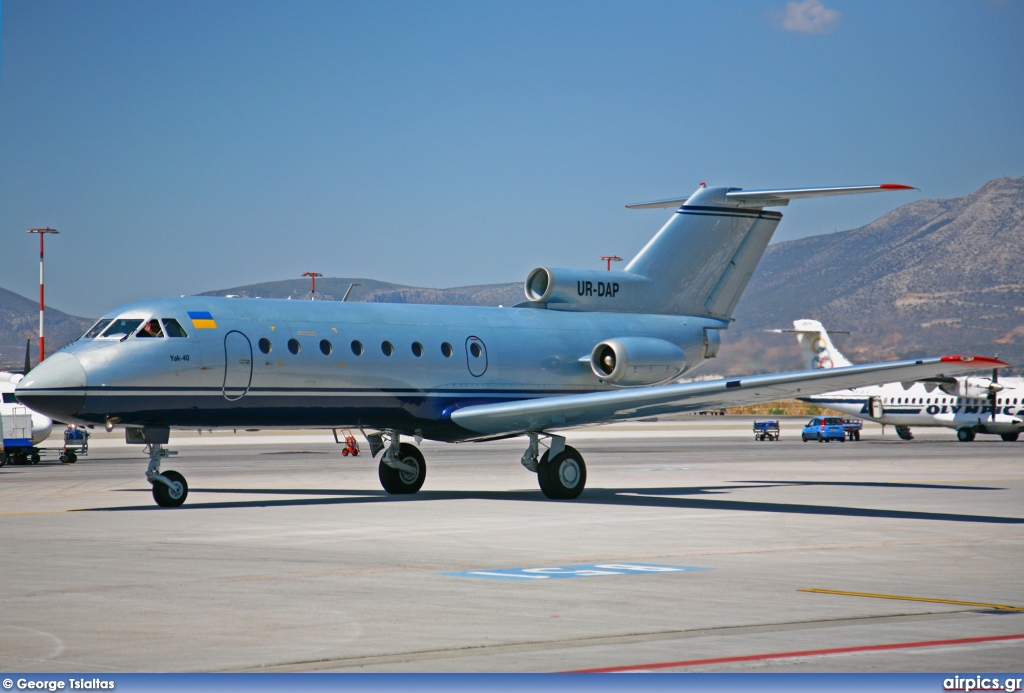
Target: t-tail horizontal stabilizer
(739,197)
(700,262)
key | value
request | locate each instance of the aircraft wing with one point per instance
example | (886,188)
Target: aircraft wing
(566,411)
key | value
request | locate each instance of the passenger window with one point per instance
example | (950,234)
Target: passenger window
(387,348)
(446,349)
(265,345)
(294,346)
(122,327)
(357,347)
(417,349)
(96,329)
(172,328)
(326,347)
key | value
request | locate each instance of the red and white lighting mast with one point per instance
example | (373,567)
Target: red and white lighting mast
(312,276)
(42,234)
(610,259)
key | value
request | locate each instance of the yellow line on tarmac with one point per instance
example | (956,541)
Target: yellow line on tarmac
(1000,607)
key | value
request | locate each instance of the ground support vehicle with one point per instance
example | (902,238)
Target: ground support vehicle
(349,441)
(853,428)
(766,430)
(76,443)
(16,438)
(824,429)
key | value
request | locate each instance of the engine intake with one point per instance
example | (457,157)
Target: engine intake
(631,361)
(590,290)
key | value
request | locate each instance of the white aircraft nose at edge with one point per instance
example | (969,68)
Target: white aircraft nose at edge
(586,347)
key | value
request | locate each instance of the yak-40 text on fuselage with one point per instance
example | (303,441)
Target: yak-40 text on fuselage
(586,347)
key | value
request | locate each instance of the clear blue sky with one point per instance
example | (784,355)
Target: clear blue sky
(182,146)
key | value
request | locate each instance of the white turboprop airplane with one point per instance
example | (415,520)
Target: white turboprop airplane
(970,405)
(586,347)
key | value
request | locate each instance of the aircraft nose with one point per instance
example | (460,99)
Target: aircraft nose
(56,387)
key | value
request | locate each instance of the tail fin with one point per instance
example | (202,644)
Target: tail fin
(700,262)
(816,346)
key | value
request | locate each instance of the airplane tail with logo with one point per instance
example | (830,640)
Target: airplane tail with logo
(698,264)
(816,346)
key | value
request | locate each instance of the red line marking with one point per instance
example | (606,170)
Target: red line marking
(802,653)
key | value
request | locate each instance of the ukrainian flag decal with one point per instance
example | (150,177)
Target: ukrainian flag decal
(202,319)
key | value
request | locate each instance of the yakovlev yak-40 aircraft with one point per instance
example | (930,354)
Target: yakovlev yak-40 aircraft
(586,347)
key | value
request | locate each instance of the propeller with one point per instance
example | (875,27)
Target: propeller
(992,390)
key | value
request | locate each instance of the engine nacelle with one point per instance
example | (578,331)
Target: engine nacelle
(631,361)
(975,388)
(591,290)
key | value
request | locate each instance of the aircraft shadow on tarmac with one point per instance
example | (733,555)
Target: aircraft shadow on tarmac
(674,498)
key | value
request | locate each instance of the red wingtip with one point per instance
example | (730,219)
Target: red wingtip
(984,361)
(896,186)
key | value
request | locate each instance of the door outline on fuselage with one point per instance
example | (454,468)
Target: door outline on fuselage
(473,363)
(237,366)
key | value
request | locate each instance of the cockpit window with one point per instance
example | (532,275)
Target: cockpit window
(151,328)
(121,327)
(172,328)
(95,330)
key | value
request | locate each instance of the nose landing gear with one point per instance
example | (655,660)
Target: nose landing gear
(169,488)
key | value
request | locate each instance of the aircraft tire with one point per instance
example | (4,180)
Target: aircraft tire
(964,435)
(1010,437)
(171,498)
(564,476)
(397,481)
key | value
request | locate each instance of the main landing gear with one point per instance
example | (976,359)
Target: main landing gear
(402,469)
(560,470)
(561,473)
(169,488)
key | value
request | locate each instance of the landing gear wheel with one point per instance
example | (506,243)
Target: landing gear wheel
(400,481)
(170,496)
(563,476)
(1010,437)
(964,435)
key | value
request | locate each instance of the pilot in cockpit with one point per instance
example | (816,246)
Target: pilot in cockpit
(151,329)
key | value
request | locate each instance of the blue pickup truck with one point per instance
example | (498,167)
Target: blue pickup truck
(824,429)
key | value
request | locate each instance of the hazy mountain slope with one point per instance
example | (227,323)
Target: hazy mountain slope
(934,276)
(19,320)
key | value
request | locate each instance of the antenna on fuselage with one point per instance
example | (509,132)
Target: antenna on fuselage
(349,290)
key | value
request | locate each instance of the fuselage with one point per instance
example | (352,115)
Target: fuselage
(42,425)
(259,363)
(917,406)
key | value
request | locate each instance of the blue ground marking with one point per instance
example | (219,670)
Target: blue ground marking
(577,571)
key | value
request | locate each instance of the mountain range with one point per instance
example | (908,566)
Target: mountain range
(931,277)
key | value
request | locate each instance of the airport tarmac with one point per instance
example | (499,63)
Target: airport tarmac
(691,550)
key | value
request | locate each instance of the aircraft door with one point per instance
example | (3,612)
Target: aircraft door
(237,365)
(875,407)
(476,356)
